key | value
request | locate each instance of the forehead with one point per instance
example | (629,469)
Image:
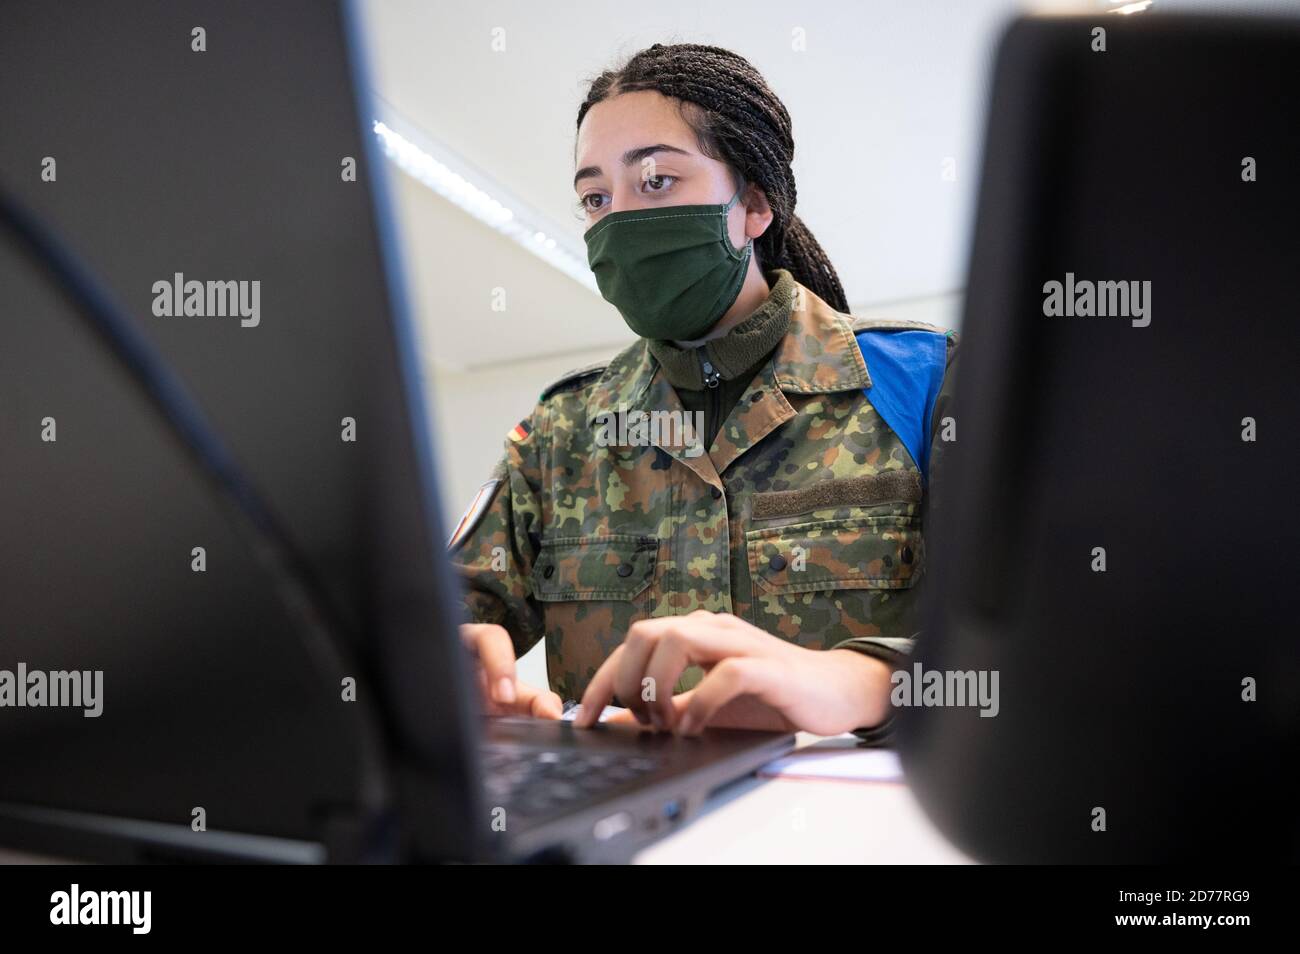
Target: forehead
(629,120)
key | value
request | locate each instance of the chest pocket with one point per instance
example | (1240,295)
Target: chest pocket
(611,567)
(591,589)
(819,582)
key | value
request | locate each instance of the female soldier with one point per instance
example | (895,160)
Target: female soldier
(724,523)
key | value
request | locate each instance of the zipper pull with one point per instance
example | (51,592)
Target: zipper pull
(711,374)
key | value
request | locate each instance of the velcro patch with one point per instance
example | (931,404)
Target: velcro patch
(867,490)
(521,431)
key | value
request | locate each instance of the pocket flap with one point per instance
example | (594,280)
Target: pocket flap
(612,567)
(865,553)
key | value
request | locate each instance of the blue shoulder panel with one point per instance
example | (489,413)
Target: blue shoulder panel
(906,368)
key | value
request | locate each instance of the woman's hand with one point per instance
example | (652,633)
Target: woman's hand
(500,689)
(753,680)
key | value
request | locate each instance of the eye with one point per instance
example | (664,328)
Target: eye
(593,202)
(658,183)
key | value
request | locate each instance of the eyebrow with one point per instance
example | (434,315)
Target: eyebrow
(631,157)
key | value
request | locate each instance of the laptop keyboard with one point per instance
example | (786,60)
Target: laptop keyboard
(534,782)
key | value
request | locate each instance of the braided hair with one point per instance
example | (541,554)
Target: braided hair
(738,120)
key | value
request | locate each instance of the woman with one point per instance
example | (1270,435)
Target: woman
(756,565)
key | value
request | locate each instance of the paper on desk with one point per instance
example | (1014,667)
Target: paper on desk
(572,712)
(837,760)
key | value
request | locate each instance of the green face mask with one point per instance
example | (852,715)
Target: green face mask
(671,272)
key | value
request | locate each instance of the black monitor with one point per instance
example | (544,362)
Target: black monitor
(232,562)
(1118,533)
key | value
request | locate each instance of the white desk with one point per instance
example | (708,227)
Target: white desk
(797,821)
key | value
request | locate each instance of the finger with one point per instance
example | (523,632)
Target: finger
(728,680)
(637,648)
(485,698)
(542,703)
(599,691)
(530,701)
(625,717)
(672,654)
(713,636)
(634,682)
(750,712)
(496,654)
(470,633)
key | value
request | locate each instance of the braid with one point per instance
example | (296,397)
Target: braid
(738,120)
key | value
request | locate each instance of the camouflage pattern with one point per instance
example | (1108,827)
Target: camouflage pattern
(581,540)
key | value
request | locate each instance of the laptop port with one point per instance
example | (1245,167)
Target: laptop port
(673,810)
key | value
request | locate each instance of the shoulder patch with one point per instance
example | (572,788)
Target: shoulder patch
(571,380)
(474,513)
(520,431)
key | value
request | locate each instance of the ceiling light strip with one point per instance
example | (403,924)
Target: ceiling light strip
(440,170)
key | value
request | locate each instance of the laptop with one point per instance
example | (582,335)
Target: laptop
(1119,535)
(220,553)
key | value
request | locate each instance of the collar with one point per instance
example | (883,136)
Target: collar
(737,352)
(817,355)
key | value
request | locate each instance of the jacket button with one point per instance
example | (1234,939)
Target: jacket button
(777,563)
(625,569)
(716,493)
(907,554)
(549,572)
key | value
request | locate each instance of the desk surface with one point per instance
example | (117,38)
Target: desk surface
(798,821)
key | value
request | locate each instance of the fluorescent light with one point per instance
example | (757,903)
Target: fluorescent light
(450,177)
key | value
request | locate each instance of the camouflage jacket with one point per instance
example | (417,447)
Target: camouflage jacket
(806,515)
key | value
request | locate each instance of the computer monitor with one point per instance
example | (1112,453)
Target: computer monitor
(199,160)
(1117,530)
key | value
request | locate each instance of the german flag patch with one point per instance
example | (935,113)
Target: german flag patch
(521,431)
